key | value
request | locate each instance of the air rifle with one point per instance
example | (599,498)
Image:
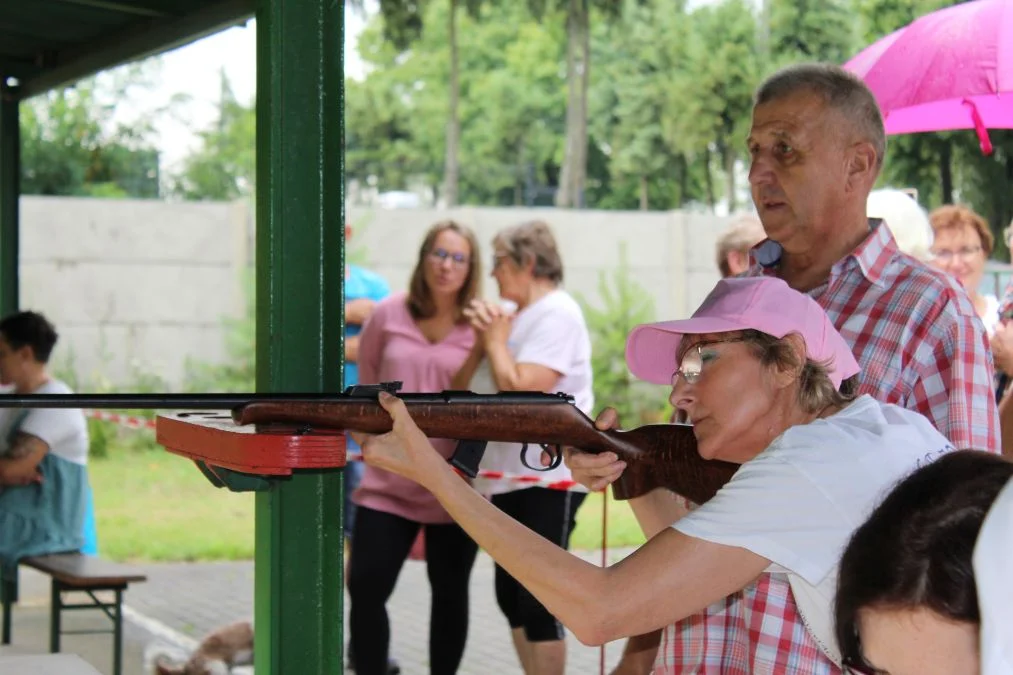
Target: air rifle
(656,454)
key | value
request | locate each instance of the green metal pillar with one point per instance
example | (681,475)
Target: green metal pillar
(10,192)
(300,219)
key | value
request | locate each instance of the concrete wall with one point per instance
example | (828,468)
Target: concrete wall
(133,286)
(670,254)
(140,286)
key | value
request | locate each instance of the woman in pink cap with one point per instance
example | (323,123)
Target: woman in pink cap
(763,375)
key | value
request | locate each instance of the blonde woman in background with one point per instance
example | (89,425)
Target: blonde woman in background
(420,338)
(963,242)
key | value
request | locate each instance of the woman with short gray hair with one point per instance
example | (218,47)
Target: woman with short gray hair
(542,346)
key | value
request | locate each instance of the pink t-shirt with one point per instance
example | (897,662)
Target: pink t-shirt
(392,347)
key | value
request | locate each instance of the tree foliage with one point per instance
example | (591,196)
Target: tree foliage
(74,142)
(668,103)
(223,167)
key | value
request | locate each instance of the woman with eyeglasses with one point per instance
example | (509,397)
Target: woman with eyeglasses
(543,345)
(767,380)
(420,338)
(963,243)
(907,599)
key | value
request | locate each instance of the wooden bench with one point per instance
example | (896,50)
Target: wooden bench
(74,572)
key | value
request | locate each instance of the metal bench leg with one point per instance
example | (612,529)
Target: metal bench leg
(8,596)
(118,634)
(55,607)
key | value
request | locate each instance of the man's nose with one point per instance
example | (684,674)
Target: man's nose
(760,171)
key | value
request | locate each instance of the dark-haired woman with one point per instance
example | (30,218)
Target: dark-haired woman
(420,338)
(43,452)
(906,597)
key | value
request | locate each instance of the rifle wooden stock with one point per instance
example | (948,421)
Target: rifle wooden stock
(657,454)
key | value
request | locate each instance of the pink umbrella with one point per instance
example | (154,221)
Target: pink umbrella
(951,69)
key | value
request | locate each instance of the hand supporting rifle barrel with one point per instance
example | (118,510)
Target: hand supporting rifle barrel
(657,455)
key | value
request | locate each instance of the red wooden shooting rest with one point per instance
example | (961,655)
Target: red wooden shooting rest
(275,450)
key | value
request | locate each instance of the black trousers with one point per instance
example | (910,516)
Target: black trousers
(380,544)
(552,514)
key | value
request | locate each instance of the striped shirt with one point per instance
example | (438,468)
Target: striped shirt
(921,345)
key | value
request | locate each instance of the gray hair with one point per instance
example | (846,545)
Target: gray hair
(840,90)
(533,241)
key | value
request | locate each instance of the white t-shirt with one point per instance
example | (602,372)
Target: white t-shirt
(992,554)
(63,429)
(798,502)
(991,318)
(550,332)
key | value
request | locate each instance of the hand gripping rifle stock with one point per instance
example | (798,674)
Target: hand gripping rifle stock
(656,455)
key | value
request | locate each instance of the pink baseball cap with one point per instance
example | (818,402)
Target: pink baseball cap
(766,304)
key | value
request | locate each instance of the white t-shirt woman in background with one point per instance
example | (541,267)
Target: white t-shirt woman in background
(543,345)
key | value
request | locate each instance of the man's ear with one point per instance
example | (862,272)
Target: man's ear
(862,166)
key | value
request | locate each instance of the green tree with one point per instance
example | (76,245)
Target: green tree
(625,304)
(629,104)
(223,166)
(71,143)
(513,108)
(403,24)
(577,13)
(809,30)
(711,96)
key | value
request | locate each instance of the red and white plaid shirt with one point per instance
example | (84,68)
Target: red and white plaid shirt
(921,345)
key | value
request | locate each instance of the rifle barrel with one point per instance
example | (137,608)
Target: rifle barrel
(145,401)
(231,401)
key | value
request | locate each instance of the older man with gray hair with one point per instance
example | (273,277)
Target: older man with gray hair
(816,147)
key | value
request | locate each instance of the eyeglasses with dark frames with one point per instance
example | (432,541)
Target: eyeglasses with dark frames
(440,255)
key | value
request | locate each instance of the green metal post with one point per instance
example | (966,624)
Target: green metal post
(10,192)
(300,233)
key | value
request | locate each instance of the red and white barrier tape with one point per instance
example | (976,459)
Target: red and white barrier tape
(122,420)
(145,423)
(571,485)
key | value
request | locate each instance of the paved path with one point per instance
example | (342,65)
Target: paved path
(181,602)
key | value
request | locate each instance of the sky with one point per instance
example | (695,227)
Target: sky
(194,70)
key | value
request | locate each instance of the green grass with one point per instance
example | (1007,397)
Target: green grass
(623,529)
(152,505)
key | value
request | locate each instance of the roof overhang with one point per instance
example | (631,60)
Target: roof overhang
(47,44)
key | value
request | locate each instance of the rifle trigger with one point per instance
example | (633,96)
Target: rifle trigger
(467,456)
(555,457)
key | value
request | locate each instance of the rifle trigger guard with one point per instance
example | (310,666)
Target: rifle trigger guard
(555,455)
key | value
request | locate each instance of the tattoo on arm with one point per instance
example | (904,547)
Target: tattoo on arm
(23,445)
(20,466)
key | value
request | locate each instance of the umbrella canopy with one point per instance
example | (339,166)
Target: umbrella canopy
(951,69)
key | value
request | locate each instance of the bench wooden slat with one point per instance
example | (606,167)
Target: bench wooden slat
(74,569)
